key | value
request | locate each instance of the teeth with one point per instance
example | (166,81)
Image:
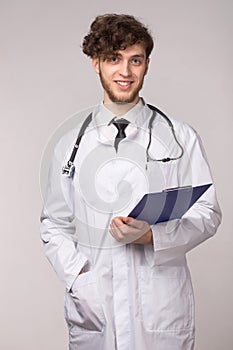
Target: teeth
(123,83)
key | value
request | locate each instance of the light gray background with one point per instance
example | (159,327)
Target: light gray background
(45,78)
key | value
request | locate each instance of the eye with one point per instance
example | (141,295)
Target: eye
(136,61)
(113,59)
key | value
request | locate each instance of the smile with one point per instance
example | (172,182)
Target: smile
(124,84)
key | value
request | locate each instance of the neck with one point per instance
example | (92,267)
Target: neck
(119,108)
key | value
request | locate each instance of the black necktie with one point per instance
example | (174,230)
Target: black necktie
(121,125)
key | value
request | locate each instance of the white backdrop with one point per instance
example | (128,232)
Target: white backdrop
(45,78)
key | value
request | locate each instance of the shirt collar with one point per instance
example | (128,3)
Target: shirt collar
(137,115)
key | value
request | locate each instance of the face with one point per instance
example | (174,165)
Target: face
(122,74)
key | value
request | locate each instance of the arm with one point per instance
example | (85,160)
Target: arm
(169,240)
(57,223)
(175,238)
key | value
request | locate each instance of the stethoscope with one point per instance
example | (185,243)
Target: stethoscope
(150,125)
(69,168)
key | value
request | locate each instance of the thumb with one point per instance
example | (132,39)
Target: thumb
(128,220)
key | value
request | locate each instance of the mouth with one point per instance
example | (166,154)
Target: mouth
(124,84)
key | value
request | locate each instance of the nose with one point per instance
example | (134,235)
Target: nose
(125,69)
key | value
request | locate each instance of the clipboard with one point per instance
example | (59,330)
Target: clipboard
(167,205)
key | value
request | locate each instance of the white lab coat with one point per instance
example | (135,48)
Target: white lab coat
(130,297)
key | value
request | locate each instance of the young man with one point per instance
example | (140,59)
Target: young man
(127,282)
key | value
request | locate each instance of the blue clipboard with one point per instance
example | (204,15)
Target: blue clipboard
(167,205)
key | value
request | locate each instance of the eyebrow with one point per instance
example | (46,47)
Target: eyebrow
(133,56)
(117,54)
(138,55)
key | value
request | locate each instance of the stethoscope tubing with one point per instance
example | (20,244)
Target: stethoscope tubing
(69,168)
(155,110)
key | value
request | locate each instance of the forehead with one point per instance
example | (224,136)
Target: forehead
(134,50)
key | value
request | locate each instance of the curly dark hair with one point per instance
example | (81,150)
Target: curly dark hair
(112,32)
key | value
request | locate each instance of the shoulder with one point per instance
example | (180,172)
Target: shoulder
(179,125)
(69,130)
(182,129)
(182,126)
(64,137)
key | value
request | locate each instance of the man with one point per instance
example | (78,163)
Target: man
(127,282)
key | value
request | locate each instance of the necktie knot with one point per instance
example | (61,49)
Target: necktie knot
(121,125)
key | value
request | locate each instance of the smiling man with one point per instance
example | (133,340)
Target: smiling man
(122,74)
(128,285)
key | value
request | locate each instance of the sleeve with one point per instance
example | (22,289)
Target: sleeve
(57,223)
(173,239)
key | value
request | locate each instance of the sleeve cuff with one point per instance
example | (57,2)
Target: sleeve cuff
(163,233)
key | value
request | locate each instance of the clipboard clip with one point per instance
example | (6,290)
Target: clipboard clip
(176,188)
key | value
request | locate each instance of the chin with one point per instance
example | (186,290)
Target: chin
(124,99)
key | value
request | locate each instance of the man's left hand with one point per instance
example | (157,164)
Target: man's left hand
(129,230)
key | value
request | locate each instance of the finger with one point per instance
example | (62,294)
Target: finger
(130,221)
(118,220)
(123,232)
(138,224)
(115,231)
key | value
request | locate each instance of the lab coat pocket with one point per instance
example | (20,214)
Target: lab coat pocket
(166,298)
(83,309)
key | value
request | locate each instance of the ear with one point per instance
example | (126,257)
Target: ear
(147,65)
(95,64)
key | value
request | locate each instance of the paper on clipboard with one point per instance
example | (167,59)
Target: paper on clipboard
(167,205)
